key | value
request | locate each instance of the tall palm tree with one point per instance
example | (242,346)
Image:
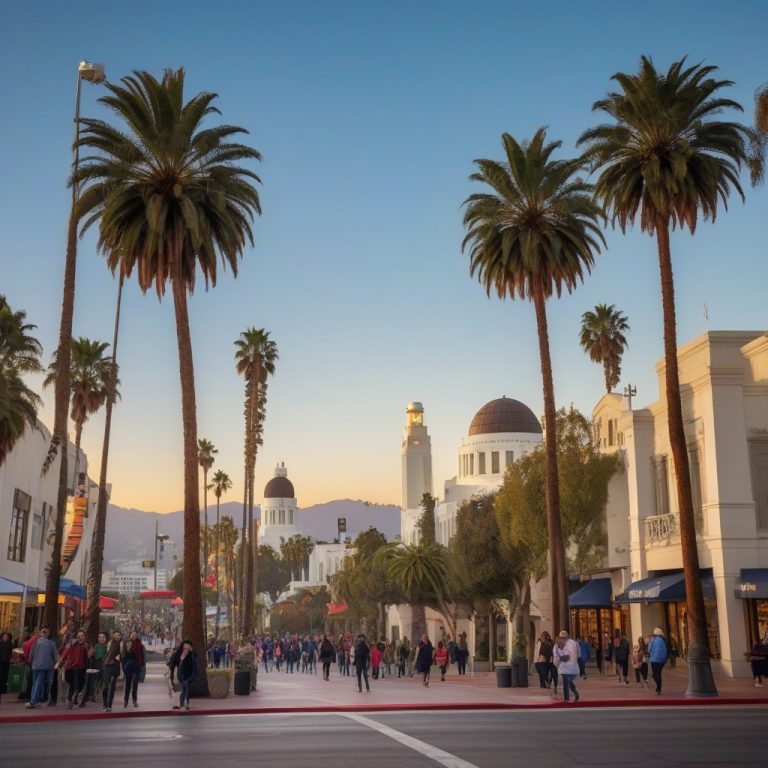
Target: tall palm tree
(170,199)
(255,358)
(96,563)
(206,453)
(534,234)
(90,378)
(666,154)
(220,484)
(602,338)
(759,136)
(19,355)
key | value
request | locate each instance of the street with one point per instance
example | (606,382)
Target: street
(659,737)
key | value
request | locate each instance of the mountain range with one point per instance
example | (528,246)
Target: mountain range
(131,532)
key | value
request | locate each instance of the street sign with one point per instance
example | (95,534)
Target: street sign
(342,521)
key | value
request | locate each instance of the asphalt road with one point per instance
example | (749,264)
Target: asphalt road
(661,738)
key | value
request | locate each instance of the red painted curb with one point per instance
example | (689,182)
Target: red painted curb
(422,707)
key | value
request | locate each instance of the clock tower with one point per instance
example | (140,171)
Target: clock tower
(417,458)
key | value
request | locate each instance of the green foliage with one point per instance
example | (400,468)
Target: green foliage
(602,338)
(296,551)
(273,573)
(425,525)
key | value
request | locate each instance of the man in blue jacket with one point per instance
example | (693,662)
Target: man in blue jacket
(43,662)
(657,655)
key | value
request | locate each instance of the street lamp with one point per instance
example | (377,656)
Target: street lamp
(160,538)
(94,74)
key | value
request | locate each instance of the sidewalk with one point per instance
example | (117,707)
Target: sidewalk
(281,692)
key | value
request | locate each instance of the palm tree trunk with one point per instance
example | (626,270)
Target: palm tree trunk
(216,559)
(95,566)
(558,577)
(700,679)
(193,626)
(78,438)
(245,592)
(205,517)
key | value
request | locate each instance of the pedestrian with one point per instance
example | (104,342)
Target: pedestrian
(95,672)
(362,657)
(598,649)
(74,659)
(657,654)
(621,653)
(583,657)
(112,659)
(6,653)
(327,654)
(133,659)
(608,665)
(186,672)
(424,659)
(462,653)
(26,655)
(566,660)
(442,659)
(640,662)
(375,662)
(43,659)
(544,653)
(757,659)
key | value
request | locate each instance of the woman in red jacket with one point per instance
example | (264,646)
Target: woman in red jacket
(442,657)
(74,659)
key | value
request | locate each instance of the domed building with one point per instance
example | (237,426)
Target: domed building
(279,514)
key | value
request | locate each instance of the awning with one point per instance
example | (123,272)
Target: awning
(596,593)
(8,587)
(335,608)
(68,588)
(753,584)
(664,589)
(158,594)
(107,603)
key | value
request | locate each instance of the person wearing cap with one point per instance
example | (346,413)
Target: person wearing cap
(657,655)
(567,661)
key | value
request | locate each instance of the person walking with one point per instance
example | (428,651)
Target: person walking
(657,655)
(133,658)
(621,653)
(462,653)
(640,662)
(403,651)
(442,659)
(186,672)
(112,659)
(583,657)
(757,658)
(566,660)
(543,653)
(74,659)
(327,655)
(43,659)
(424,658)
(375,662)
(6,651)
(95,672)
(362,657)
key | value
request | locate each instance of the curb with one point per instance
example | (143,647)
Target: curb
(437,707)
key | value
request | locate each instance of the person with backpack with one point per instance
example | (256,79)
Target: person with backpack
(186,672)
(657,655)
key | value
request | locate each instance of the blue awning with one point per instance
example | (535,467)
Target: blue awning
(594,594)
(8,587)
(753,584)
(664,589)
(70,589)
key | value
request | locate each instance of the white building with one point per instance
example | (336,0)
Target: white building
(279,511)
(724,388)
(132,578)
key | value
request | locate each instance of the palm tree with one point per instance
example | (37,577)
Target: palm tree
(19,355)
(255,358)
(220,484)
(169,198)
(206,452)
(759,136)
(666,155)
(602,338)
(90,378)
(95,565)
(535,233)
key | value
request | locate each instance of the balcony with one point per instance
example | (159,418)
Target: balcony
(662,530)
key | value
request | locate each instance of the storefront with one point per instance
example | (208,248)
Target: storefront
(753,590)
(667,593)
(594,615)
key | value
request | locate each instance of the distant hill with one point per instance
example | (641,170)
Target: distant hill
(131,532)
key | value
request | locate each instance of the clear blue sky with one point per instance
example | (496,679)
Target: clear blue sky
(368,116)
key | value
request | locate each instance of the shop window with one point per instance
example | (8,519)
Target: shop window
(495,462)
(481,463)
(661,485)
(758,461)
(17,537)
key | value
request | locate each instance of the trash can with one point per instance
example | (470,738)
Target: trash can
(243,682)
(519,673)
(16,673)
(503,676)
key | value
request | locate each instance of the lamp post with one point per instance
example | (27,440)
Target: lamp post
(630,391)
(92,73)
(160,538)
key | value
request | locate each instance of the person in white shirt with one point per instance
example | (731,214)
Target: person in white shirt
(567,661)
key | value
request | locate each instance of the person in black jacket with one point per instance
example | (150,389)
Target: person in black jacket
(327,654)
(186,672)
(6,653)
(621,651)
(424,659)
(362,658)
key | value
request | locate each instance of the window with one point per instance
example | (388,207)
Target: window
(694,464)
(481,463)
(510,457)
(282,517)
(17,538)
(321,572)
(471,463)
(611,431)
(758,461)
(39,520)
(290,517)
(495,462)
(661,486)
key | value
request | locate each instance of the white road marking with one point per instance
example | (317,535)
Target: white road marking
(433,753)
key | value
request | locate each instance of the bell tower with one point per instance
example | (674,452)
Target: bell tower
(416,455)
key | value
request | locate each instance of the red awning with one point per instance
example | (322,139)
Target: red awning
(177,601)
(107,603)
(336,608)
(158,594)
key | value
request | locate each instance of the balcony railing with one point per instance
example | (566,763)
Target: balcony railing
(661,530)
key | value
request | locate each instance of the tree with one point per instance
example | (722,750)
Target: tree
(221,483)
(313,601)
(169,198)
(90,380)
(296,551)
(226,535)
(425,525)
(19,355)
(273,573)
(533,235)
(759,137)
(602,338)
(666,155)
(206,456)
(255,358)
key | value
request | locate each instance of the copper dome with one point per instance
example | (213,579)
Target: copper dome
(504,415)
(279,488)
